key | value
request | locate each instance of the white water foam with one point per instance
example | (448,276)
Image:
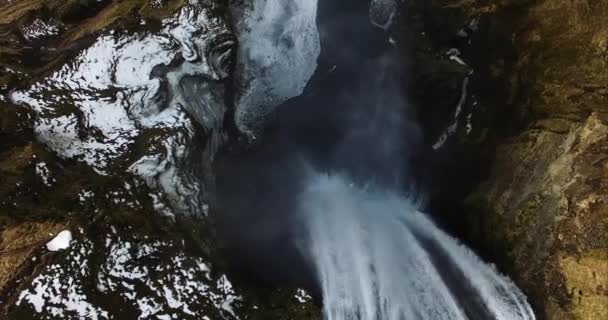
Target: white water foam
(377,258)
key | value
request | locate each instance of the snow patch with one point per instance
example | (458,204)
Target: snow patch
(302,296)
(44,173)
(85,195)
(40,29)
(60,242)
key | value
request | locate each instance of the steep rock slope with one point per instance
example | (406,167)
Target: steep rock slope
(540,89)
(547,195)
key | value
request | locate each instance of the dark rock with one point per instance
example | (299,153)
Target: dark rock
(540,74)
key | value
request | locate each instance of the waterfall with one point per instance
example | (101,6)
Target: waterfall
(378,258)
(375,257)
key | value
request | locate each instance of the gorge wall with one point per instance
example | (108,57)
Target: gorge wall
(539,92)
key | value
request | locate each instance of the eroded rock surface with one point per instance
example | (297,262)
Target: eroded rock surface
(540,88)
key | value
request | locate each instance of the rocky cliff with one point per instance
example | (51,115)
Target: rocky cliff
(535,125)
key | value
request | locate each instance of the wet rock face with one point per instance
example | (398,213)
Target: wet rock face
(540,75)
(555,223)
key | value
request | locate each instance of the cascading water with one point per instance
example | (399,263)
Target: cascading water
(376,257)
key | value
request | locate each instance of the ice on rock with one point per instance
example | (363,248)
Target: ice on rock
(278,50)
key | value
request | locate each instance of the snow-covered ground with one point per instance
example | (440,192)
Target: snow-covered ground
(97,107)
(155,278)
